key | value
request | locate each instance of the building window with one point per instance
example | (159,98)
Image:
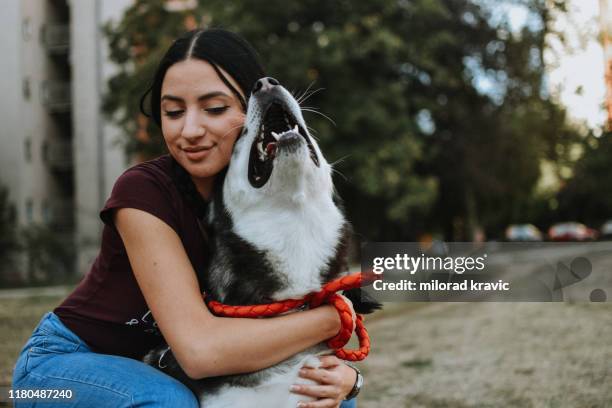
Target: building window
(25,88)
(29,210)
(26,29)
(27,148)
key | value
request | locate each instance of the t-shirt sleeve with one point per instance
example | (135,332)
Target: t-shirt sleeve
(143,190)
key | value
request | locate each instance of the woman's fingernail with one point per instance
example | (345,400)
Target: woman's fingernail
(301,405)
(294,388)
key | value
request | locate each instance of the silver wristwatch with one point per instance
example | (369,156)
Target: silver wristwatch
(358,383)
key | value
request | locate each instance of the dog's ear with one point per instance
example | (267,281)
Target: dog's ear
(363,303)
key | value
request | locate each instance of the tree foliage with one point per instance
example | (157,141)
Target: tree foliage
(587,196)
(420,143)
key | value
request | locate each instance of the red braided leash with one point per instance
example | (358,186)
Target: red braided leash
(326,295)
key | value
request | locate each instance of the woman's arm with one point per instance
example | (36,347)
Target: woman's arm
(205,345)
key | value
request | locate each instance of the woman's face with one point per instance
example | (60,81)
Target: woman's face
(201,119)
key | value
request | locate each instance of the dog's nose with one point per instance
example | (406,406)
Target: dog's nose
(264,84)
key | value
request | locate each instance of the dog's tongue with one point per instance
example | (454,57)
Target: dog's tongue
(271,149)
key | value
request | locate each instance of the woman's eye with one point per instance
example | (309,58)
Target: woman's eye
(174,114)
(217,110)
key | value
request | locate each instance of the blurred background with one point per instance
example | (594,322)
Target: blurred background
(446,119)
(457,120)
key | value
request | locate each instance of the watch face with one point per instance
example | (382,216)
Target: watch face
(356,388)
(359,382)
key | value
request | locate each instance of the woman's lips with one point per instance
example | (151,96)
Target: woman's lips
(197,153)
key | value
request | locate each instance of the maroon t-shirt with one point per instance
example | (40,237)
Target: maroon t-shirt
(107,309)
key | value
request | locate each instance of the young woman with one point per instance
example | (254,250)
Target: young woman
(145,280)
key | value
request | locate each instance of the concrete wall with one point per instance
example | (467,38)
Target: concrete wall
(98,160)
(34,186)
(11,132)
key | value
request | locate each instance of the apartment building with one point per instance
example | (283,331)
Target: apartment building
(58,154)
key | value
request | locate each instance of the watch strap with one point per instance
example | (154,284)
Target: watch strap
(358,383)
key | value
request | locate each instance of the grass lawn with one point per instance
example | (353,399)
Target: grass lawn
(18,318)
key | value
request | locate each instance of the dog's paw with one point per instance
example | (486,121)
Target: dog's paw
(152,358)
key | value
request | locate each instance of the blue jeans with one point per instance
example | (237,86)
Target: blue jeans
(56,358)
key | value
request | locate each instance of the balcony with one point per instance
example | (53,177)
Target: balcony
(56,95)
(55,38)
(58,154)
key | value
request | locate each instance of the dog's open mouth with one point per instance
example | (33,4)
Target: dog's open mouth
(276,122)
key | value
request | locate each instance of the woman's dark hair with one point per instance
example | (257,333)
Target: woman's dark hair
(221,49)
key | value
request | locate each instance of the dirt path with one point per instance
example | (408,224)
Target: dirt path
(491,355)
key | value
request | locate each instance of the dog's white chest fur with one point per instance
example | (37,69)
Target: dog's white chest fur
(278,197)
(273,393)
(299,240)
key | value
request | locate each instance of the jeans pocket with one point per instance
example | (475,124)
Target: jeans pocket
(33,357)
(52,343)
(45,347)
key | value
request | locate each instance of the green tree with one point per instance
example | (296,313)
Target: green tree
(422,146)
(587,196)
(496,121)
(343,47)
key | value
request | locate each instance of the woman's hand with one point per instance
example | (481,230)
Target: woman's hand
(335,380)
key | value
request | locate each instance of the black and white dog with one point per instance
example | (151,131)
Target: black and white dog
(277,234)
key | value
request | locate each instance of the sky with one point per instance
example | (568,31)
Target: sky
(579,76)
(575,72)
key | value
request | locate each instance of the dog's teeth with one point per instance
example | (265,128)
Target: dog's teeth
(296,129)
(275,135)
(262,154)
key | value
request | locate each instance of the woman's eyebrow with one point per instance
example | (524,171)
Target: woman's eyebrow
(200,98)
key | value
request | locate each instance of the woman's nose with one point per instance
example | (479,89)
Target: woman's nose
(194,126)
